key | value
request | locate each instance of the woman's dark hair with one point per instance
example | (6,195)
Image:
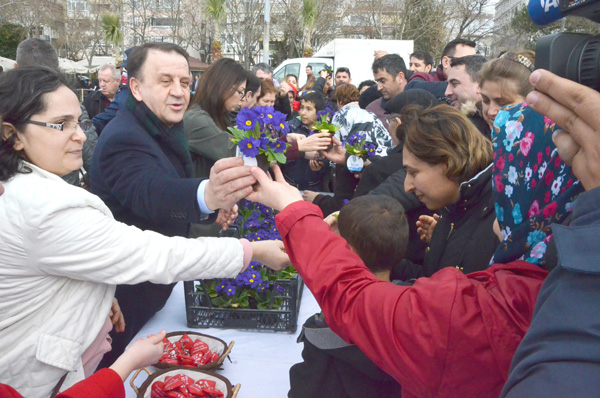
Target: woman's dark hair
(316,98)
(252,83)
(377,229)
(22,95)
(216,85)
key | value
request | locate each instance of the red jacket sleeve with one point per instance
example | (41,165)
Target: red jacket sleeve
(7,391)
(102,384)
(404,330)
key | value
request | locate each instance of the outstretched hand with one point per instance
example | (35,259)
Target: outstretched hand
(425,227)
(574,108)
(332,221)
(337,152)
(226,217)
(277,193)
(142,353)
(116,317)
(270,253)
(229,182)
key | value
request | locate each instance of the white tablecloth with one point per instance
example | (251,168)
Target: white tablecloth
(260,359)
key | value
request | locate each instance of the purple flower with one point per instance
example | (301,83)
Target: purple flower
(249,147)
(246,119)
(277,146)
(225,287)
(251,278)
(264,142)
(370,149)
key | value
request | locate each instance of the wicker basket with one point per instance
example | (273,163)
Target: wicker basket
(202,314)
(145,390)
(214,344)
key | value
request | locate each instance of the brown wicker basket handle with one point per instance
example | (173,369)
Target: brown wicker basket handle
(135,389)
(235,390)
(225,353)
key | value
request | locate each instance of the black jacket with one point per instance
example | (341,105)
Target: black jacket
(298,172)
(95,103)
(463,237)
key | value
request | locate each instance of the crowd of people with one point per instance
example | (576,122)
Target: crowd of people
(455,261)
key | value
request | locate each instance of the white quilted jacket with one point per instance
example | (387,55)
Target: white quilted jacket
(61,255)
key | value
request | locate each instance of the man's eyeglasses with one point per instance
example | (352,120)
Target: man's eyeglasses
(69,126)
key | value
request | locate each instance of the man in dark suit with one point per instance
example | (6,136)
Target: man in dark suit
(142,170)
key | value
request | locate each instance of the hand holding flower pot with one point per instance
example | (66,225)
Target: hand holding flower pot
(257,134)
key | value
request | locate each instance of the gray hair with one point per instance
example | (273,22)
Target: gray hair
(116,74)
(262,66)
(36,52)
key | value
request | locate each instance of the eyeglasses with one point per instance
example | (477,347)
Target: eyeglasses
(68,126)
(242,93)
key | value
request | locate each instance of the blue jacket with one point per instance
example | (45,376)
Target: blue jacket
(560,354)
(103,118)
(142,182)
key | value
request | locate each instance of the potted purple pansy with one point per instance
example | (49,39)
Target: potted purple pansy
(358,148)
(258,135)
(323,123)
(257,287)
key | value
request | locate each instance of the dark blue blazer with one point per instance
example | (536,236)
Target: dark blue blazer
(142,182)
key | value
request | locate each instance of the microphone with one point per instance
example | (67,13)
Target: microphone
(544,12)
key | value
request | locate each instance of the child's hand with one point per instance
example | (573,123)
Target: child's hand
(226,217)
(284,88)
(140,354)
(425,227)
(309,196)
(315,165)
(313,155)
(291,137)
(116,317)
(332,221)
(276,194)
(337,152)
(270,253)
(315,142)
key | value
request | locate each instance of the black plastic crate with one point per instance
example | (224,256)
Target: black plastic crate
(202,314)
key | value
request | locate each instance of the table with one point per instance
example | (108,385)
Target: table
(260,359)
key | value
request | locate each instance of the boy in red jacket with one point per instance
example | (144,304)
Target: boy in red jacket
(376,228)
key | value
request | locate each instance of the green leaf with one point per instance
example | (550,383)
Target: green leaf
(280,157)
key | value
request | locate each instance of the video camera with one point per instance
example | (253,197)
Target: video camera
(571,55)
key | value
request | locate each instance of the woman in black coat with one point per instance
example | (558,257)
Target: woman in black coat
(448,166)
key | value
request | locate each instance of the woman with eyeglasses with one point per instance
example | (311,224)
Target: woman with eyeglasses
(220,94)
(61,251)
(221,90)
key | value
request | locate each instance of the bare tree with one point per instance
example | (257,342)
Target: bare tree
(38,17)
(471,19)
(194,32)
(137,19)
(244,28)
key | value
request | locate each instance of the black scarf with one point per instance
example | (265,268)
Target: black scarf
(172,138)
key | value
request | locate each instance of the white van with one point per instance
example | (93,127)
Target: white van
(297,67)
(354,54)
